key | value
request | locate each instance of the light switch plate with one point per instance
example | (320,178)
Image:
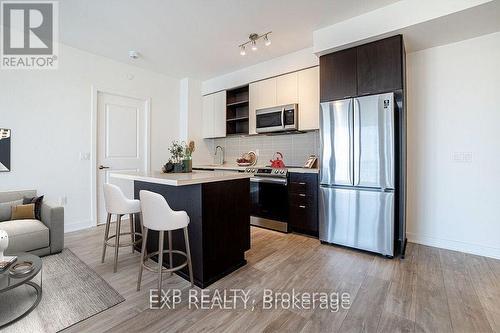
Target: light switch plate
(84,156)
(462,157)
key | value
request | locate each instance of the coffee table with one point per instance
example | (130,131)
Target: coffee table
(9,282)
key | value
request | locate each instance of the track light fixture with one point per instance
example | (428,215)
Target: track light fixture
(252,40)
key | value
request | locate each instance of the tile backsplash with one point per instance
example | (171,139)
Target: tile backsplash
(295,148)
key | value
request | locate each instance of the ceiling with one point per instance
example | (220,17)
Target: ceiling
(198,38)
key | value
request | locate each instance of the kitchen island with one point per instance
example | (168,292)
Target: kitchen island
(218,205)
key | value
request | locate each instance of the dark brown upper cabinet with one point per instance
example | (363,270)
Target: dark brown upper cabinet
(338,75)
(371,68)
(379,66)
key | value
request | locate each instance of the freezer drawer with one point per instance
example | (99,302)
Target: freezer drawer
(362,219)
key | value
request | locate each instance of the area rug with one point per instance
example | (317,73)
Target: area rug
(72,292)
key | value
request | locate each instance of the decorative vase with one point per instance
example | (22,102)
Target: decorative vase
(178,167)
(4,243)
(187,165)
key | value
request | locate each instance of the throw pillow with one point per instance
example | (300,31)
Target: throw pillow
(6,209)
(38,205)
(23,212)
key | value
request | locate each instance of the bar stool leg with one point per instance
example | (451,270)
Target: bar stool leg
(117,240)
(160,263)
(171,261)
(143,255)
(106,235)
(132,230)
(188,252)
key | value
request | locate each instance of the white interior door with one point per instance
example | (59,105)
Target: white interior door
(121,142)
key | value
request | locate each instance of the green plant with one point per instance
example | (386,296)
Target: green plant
(177,151)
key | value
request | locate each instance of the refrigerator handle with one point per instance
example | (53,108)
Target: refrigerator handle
(357,142)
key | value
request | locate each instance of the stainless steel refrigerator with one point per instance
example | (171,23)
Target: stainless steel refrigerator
(357,173)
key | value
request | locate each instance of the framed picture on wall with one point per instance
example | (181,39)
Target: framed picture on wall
(4,150)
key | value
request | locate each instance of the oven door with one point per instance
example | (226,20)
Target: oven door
(269,198)
(269,120)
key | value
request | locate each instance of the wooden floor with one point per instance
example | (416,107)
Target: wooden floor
(432,290)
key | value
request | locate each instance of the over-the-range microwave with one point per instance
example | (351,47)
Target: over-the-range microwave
(277,119)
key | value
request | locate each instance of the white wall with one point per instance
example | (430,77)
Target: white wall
(454,106)
(191,121)
(49,114)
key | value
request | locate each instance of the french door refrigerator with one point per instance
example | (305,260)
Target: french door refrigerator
(357,173)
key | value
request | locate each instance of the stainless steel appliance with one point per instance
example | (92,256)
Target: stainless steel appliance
(357,173)
(277,119)
(269,198)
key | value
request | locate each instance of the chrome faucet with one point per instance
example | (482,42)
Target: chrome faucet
(219,158)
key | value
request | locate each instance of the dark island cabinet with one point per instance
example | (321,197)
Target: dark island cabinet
(367,69)
(303,203)
(338,75)
(380,67)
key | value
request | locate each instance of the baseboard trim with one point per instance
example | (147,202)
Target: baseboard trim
(455,245)
(77,226)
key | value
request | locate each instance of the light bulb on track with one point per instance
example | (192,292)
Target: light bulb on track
(267,41)
(254,46)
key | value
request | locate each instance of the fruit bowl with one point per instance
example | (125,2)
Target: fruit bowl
(248,159)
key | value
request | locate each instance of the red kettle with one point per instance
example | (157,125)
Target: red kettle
(278,160)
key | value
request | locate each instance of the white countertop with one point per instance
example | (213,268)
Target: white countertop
(238,168)
(180,179)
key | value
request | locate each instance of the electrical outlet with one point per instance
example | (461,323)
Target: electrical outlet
(462,157)
(63,200)
(84,156)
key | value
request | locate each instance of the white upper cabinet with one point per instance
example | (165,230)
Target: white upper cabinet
(220,114)
(253,103)
(287,89)
(214,115)
(308,99)
(266,93)
(208,116)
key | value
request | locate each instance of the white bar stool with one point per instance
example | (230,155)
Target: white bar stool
(116,203)
(157,215)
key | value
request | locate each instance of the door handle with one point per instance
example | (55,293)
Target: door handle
(101,167)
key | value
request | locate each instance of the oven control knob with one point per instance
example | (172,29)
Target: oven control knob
(282,172)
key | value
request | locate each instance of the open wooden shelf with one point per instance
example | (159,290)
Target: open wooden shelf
(237,111)
(237,103)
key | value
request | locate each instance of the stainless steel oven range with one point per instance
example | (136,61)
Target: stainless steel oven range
(269,198)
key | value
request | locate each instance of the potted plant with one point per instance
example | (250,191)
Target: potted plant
(188,157)
(176,149)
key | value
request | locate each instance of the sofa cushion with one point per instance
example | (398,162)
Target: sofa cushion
(6,209)
(38,205)
(25,235)
(16,195)
(23,212)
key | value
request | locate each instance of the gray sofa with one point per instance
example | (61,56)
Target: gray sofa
(37,237)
